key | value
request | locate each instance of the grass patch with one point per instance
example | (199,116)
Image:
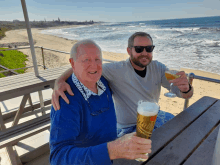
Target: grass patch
(2,32)
(12,59)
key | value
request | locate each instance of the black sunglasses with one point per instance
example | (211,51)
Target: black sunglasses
(140,49)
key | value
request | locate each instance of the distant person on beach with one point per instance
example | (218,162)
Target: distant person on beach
(137,78)
(84,131)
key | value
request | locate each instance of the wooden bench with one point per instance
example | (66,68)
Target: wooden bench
(12,135)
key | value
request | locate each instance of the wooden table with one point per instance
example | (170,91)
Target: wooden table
(18,85)
(187,139)
(24,85)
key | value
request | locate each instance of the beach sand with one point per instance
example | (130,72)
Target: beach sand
(54,59)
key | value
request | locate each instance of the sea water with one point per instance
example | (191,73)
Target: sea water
(191,42)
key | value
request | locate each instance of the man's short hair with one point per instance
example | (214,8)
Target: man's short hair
(141,34)
(73,52)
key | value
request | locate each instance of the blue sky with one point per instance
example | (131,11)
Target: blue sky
(109,10)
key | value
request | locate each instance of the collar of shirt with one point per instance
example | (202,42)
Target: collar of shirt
(85,91)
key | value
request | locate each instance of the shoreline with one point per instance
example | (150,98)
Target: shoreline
(55,59)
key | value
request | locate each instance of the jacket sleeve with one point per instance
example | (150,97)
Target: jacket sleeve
(65,127)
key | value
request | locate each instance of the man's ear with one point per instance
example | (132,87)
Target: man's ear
(129,51)
(72,62)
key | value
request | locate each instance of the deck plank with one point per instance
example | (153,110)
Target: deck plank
(31,155)
(42,160)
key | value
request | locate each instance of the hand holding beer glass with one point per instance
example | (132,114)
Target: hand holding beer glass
(171,75)
(146,118)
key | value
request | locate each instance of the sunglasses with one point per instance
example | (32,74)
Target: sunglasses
(140,49)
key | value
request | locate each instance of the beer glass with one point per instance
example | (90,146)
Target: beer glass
(146,118)
(171,75)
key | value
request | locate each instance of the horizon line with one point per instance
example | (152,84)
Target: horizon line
(115,21)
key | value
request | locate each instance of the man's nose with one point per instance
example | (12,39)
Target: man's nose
(93,63)
(144,51)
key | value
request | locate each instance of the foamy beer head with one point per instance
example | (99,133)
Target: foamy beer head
(146,118)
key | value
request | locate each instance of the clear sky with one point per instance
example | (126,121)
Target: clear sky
(108,10)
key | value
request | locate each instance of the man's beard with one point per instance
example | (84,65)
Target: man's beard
(138,63)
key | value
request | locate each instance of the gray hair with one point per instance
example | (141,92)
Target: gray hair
(141,34)
(73,52)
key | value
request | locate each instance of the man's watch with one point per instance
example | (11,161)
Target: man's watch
(188,90)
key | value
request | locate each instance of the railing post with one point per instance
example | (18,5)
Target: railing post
(42,52)
(190,79)
(31,42)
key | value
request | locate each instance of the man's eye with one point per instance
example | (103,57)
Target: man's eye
(97,59)
(85,60)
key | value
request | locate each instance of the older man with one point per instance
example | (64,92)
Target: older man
(137,78)
(84,131)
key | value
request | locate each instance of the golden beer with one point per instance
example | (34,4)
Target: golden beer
(146,118)
(171,75)
(145,125)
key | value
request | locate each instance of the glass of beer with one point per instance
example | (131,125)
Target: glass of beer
(171,75)
(146,118)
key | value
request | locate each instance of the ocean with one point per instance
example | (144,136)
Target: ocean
(192,43)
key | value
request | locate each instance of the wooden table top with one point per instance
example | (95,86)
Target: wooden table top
(18,85)
(188,139)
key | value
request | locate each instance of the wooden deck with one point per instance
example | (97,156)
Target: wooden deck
(42,160)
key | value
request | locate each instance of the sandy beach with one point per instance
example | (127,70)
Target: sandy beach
(54,59)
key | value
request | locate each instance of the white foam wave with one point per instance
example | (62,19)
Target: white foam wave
(173,45)
(211,43)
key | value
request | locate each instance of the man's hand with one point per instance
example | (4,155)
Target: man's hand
(183,85)
(59,88)
(129,146)
(181,82)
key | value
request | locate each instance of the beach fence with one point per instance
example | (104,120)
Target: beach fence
(190,76)
(43,58)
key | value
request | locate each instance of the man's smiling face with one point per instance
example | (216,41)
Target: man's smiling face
(140,59)
(88,65)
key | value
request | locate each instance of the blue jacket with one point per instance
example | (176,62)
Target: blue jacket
(80,130)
